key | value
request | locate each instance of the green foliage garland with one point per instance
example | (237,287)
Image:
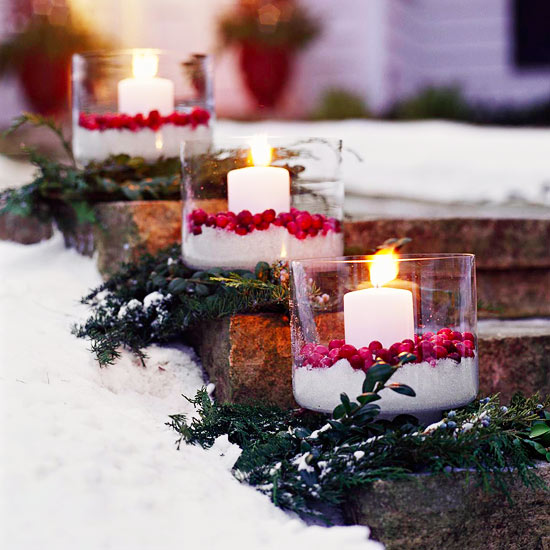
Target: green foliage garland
(306,460)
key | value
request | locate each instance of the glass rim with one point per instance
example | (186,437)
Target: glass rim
(130,51)
(369,258)
(272,140)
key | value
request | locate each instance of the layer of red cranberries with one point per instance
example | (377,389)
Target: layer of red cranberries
(299,223)
(445,344)
(154,120)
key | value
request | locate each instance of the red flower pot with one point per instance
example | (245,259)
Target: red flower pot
(266,70)
(45,82)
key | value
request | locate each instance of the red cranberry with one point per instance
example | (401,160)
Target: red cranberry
(346,351)
(356,361)
(418,353)
(294,211)
(417,339)
(277,222)
(445,332)
(222,220)
(323,350)
(231,215)
(317,221)
(307,348)
(240,230)
(407,347)
(334,354)
(440,352)
(231,226)
(375,345)
(454,356)
(468,344)
(304,221)
(315,359)
(368,361)
(312,232)
(461,348)
(449,345)
(257,219)
(394,348)
(291,228)
(326,362)
(326,228)
(251,228)
(263,226)
(196,230)
(427,349)
(210,221)
(269,215)
(301,235)
(336,344)
(384,354)
(199,216)
(286,218)
(455,335)
(468,336)
(364,352)
(244,217)
(427,335)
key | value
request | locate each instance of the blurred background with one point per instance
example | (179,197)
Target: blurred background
(484,61)
(445,101)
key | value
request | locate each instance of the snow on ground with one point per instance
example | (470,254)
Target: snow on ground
(436,161)
(86,459)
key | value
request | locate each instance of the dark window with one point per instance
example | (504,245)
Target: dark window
(532,33)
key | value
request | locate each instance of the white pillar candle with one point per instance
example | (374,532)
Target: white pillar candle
(145,92)
(259,188)
(383,314)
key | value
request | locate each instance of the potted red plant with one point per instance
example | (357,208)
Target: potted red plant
(39,52)
(267,33)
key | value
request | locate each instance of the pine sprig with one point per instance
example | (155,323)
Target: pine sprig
(304,461)
(159,298)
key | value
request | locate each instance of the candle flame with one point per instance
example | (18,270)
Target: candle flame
(145,65)
(384,267)
(260,151)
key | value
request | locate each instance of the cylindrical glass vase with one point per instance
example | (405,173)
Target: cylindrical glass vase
(342,324)
(140,103)
(251,200)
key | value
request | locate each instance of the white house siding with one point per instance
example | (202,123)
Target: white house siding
(467,42)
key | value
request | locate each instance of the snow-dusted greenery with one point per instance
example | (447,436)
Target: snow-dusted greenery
(158,298)
(304,460)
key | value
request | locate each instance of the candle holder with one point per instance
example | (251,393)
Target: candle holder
(251,200)
(347,313)
(140,103)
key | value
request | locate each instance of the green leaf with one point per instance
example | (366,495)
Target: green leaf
(539,429)
(338,412)
(368,397)
(345,402)
(177,286)
(262,271)
(406,357)
(403,389)
(379,372)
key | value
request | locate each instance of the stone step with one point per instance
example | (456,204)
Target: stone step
(510,253)
(452,512)
(248,357)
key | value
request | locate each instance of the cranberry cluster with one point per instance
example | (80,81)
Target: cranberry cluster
(447,343)
(153,120)
(299,223)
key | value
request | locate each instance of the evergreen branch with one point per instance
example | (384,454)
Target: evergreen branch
(303,461)
(40,121)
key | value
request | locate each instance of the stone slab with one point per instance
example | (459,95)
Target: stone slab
(127,230)
(497,243)
(23,230)
(248,357)
(452,512)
